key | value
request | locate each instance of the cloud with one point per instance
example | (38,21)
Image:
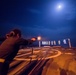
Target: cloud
(34,11)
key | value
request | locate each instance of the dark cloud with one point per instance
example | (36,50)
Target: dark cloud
(34,11)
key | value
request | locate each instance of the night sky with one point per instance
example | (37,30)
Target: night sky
(40,18)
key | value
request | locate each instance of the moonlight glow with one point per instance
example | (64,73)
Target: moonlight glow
(59,6)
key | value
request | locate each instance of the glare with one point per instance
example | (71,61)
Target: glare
(39,38)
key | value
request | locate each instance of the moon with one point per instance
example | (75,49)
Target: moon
(59,6)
